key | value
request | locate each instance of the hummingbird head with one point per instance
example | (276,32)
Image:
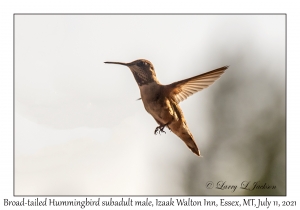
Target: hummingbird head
(142,70)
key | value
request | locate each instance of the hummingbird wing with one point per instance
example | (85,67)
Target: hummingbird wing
(181,90)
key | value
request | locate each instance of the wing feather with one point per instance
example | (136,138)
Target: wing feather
(181,90)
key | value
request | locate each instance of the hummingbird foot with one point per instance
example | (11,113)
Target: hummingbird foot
(160,129)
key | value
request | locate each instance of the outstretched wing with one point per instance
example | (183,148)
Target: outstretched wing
(180,90)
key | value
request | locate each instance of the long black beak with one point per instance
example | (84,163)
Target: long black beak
(120,63)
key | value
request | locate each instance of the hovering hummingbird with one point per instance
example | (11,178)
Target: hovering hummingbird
(162,101)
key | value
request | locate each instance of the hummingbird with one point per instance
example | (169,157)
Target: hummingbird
(162,101)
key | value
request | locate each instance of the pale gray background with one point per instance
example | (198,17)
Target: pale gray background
(80,131)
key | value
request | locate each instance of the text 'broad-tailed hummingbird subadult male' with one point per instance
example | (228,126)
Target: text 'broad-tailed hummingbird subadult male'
(162,101)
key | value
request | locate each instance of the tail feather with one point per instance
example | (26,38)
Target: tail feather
(193,146)
(185,135)
(180,128)
(189,141)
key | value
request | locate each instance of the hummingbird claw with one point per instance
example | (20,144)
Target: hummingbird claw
(160,129)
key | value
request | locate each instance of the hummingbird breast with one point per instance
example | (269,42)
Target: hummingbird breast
(156,103)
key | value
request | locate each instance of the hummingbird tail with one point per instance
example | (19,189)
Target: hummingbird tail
(192,145)
(185,135)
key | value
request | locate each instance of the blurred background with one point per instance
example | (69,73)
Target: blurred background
(79,129)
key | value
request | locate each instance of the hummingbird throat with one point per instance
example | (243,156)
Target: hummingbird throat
(142,78)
